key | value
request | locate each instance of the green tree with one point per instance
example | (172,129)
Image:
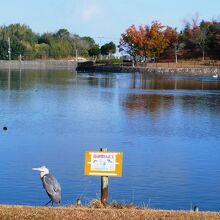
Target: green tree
(22,39)
(62,33)
(108,49)
(3,50)
(94,51)
(88,40)
(41,50)
(59,49)
(214,40)
(17,48)
(59,45)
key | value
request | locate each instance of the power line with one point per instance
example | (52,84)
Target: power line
(102,37)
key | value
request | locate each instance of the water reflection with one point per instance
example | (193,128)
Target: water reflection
(147,103)
(101,80)
(26,79)
(167,127)
(164,82)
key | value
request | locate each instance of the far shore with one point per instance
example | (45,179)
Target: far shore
(85,213)
(185,68)
(151,69)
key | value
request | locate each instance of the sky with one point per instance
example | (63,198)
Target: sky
(103,20)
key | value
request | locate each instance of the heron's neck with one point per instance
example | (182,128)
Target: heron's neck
(42,174)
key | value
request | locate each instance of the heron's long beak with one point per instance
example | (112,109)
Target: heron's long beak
(38,169)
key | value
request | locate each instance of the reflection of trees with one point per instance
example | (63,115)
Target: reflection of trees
(153,81)
(157,102)
(26,79)
(152,103)
(147,102)
(102,80)
(201,103)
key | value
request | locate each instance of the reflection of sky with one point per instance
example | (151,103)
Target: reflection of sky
(170,139)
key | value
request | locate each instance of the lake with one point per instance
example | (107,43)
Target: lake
(168,128)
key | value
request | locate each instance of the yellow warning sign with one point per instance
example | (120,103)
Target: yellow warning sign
(99,163)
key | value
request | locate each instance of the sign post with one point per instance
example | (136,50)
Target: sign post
(104,185)
(103,163)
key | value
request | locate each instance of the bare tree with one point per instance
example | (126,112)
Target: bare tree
(201,36)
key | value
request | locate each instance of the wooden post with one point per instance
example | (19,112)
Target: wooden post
(104,185)
(78,202)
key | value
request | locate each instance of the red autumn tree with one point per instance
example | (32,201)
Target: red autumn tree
(129,42)
(172,38)
(146,41)
(157,41)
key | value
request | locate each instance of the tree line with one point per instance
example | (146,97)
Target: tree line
(146,43)
(58,45)
(156,41)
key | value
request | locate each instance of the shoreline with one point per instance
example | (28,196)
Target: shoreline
(150,70)
(85,213)
(72,65)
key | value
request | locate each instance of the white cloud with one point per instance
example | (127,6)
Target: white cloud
(89,12)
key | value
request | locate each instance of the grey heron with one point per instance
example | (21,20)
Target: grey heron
(50,184)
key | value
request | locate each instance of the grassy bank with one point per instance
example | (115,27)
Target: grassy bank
(47,213)
(185,64)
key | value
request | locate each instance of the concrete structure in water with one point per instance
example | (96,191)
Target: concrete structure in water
(153,70)
(38,64)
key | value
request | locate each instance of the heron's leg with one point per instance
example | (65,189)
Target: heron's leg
(48,202)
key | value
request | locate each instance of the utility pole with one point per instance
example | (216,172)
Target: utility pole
(76,52)
(176,50)
(9,48)
(76,56)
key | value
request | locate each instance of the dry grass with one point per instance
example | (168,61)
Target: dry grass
(110,213)
(97,204)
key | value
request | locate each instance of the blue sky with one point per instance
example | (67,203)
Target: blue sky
(103,18)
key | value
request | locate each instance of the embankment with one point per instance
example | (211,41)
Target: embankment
(47,213)
(154,70)
(38,64)
(72,65)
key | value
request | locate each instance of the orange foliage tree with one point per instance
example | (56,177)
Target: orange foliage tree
(172,37)
(129,42)
(147,41)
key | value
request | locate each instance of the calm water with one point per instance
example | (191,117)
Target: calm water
(167,127)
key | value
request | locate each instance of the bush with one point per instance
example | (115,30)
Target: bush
(109,62)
